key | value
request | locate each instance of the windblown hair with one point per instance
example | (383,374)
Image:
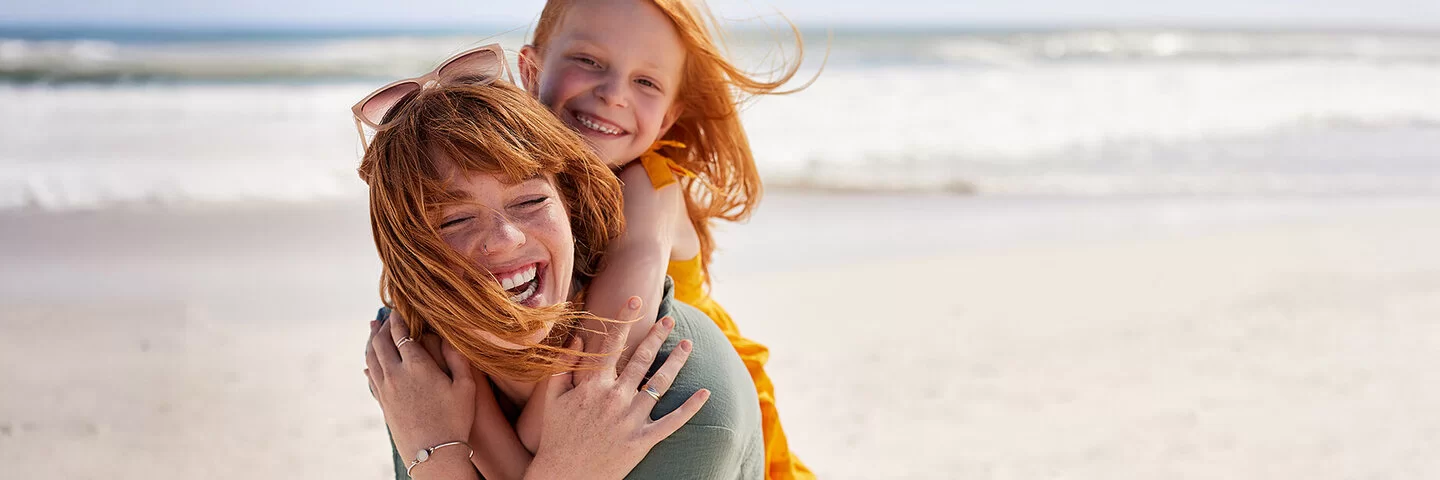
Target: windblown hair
(711,89)
(495,128)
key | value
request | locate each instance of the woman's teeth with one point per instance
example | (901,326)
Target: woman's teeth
(525,295)
(596,125)
(524,280)
(519,278)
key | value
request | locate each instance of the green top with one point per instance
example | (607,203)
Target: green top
(723,440)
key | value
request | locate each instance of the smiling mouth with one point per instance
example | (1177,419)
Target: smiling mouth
(524,285)
(597,124)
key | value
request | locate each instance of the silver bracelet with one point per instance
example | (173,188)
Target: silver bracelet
(424,454)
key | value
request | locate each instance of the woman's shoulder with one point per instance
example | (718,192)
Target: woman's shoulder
(713,365)
(723,440)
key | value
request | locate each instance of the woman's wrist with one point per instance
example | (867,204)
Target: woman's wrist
(449,460)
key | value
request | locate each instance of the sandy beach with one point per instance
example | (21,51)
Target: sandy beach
(912,336)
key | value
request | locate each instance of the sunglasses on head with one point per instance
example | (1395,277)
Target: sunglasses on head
(477,66)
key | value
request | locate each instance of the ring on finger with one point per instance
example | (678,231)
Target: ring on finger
(651,391)
(402,342)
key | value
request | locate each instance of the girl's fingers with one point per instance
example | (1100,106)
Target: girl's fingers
(645,353)
(667,425)
(458,364)
(372,363)
(384,348)
(664,377)
(431,342)
(564,381)
(614,342)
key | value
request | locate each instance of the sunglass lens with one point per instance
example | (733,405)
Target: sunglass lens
(375,108)
(483,66)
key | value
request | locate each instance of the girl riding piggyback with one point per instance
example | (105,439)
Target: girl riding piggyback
(646,84)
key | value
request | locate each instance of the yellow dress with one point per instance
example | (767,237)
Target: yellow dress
(689,280)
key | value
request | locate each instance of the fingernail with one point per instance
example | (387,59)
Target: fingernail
(685,345)
(634,302)
(373,323)
(668,322)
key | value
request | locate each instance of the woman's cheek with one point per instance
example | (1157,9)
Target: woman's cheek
(459,242)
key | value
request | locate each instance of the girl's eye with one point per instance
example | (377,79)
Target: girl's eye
(587,61)
(454,222)
(647,83)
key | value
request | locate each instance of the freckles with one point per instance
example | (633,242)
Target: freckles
(460,243)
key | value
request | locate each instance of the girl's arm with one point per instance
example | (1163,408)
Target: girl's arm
(636,261)
(499,455)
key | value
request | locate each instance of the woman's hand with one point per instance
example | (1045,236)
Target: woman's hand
(597,420)
(423,406)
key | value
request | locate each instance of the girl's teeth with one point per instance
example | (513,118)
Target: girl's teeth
(595,126)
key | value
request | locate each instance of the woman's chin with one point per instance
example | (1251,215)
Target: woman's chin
(527,342)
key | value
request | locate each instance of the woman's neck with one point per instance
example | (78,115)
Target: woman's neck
(518,392)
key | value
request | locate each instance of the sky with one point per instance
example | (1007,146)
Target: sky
(1407,14)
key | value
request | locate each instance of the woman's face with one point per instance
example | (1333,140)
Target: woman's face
(518,232)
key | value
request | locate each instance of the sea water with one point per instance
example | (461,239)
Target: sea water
(96,118)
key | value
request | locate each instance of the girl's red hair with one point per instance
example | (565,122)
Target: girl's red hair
(727,185)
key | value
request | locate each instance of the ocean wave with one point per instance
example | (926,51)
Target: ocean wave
(114,188)
(1089,184)
(62,61)
(59,60)
(1063,128)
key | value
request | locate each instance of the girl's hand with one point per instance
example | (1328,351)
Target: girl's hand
(499,455)
(423,406)
(597,421)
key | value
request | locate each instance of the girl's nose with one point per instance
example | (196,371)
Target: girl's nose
(612,91)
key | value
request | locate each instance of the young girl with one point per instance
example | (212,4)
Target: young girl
(646,84)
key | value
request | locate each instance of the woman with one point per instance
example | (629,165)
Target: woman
(489,216)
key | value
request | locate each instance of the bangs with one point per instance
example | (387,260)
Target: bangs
(473,131)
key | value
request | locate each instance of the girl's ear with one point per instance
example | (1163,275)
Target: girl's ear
(670,118)
(530,69)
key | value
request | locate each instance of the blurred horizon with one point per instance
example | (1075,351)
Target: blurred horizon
(37,31)
(452,15)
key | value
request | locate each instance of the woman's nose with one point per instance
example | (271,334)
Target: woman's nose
(502,237)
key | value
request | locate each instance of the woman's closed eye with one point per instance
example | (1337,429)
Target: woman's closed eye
(531,202)
(454,222)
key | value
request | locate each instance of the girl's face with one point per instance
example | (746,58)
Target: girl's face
(518,232)
(611,71)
